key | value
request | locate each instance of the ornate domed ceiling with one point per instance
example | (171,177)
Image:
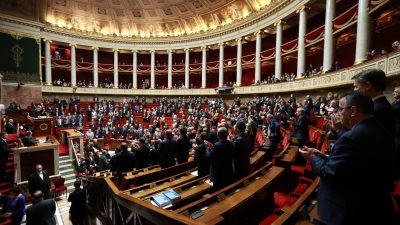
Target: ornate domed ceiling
(137,18)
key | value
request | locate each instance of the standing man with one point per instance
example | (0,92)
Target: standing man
(242,150)
(167,150)
(4,152)
(78,204)
(373,83)
(301,127)
(142,155)
(39,180)
(274,134)
(356,177)
(41,211)
(221,157)
(183,146)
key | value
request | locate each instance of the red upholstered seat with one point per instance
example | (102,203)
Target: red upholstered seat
(59,186)
(269,220)
(282,199)
(300,189)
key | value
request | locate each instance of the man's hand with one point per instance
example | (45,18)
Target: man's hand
(307,152)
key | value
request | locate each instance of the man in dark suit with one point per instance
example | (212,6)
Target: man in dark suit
(373,82)
(142,154)
(301,127)
(203,163)
(125,160)
(78,204)
(356,177)
(4,152)
(274,134)
(28,140)
(183,146)
(39,180)
(41,211)
(242,149)
(167,150)
(10,129)
(221,158)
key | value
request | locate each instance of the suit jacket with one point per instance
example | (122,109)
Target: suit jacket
(41,213)
(142,157)
(183,147)
(203,163)
(301,128)
(396,111)
(241,158)
(384,113)
(4,150)
(28,141)
(78,203)
(36,183)
(167,153)
(221,157)
(356,178)
(125,161)
(10,129)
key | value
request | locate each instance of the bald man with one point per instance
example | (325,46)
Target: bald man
(41,211)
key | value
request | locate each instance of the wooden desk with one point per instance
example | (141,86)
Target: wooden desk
(114,143)
(216,210)
(43,153)
(161,185)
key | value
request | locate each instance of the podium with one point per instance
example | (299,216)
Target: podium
(43,153)
(42,126)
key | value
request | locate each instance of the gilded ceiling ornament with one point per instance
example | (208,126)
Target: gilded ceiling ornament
(16,36)
(17,54)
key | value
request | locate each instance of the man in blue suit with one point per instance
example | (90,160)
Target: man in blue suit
(301,127)
(373,82)
(356,177)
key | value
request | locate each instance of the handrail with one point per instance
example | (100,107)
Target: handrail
(73,149)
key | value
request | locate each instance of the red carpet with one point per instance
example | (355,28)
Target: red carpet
(62,150)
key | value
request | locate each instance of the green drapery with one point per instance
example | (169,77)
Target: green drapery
(19,58)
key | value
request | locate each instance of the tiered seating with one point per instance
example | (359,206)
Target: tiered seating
(289,205)
(229,203)
(160,185)
(155,174)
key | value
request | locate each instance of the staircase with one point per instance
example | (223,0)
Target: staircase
(67,171)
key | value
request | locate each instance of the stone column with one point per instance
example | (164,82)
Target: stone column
(134,69)
(116,84)
(204,67)
(239,62)
(95,66)
(73,65)
(169,69)
(48,62)
(152,69)
(257,69)
(187,68)
(221,65)
(329,42)
(363,32)
(301,51)
(278,50)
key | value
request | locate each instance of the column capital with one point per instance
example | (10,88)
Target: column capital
(152,51)
(170,51)
(95,48)
(115,50)
(134,51)
(221,44)
(186,49)
(257,32)
(238,39)
(303,8)
(279,22)
(72,45)
(204,47)
(47,40)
